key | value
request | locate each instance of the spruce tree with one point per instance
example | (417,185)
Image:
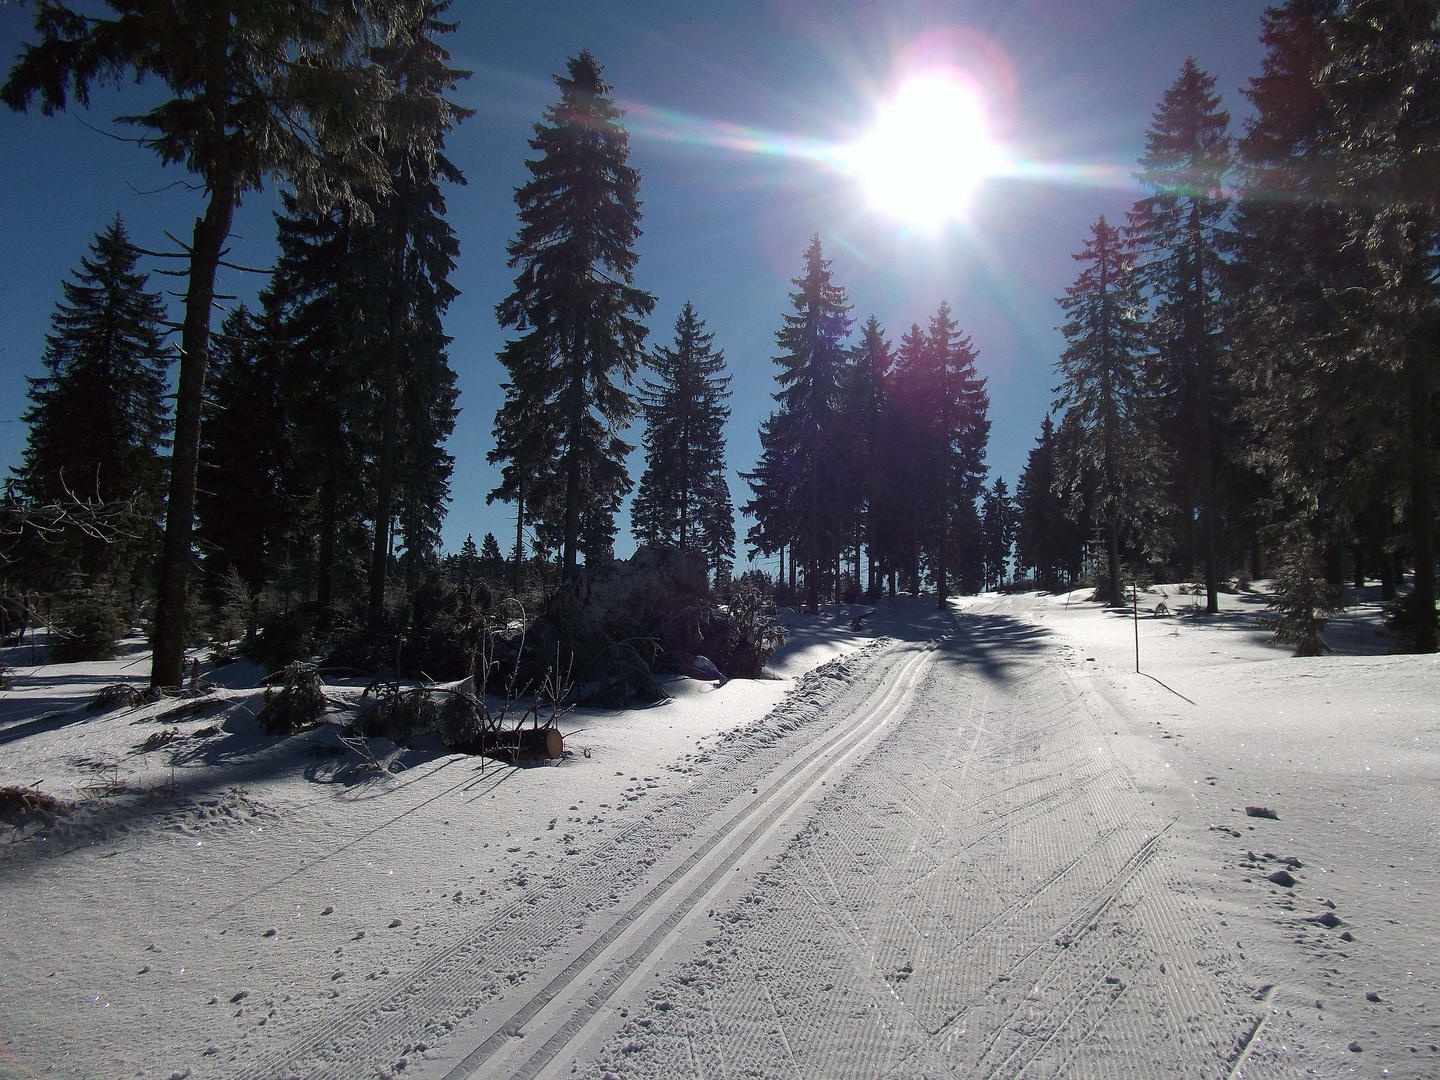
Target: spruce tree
(1317,408)
(905,463)
(417,251)
(492,562)
(812,363)
(683,500)
(1187,157)
(1383,80)
(98,419)
(1104,388)
(1040,512)
(326,333)
(863,415)
(777,503)
(998,526)
(272,90)
(957,432)
(241,510)
(577,312)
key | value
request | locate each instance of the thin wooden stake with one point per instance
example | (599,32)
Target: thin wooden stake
(1135,611)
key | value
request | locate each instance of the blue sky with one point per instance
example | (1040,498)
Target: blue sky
(1070,85)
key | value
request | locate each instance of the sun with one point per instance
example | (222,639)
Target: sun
(927,151)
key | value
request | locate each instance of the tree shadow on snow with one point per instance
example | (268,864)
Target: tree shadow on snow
(240,758)
(995,647)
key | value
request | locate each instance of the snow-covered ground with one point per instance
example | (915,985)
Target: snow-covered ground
(227,904)
(225,891)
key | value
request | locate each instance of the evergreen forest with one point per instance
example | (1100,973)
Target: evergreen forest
(1246,389)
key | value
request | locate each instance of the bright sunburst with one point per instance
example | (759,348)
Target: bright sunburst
(929,148)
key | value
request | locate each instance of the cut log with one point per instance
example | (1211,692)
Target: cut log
(516,742)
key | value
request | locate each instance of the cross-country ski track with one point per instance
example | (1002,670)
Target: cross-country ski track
(973,845)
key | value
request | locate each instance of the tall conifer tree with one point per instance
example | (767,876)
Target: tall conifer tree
(1383,80)
(241,506)
(1187,157)
(260,91)
(812,363)
(958,429)
(998,523)
(98,419)
(1104,388)
(684,500)
(1041,525)
(577,311)
(863,421)
(319,289)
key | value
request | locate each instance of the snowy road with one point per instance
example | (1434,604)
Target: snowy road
(958,878)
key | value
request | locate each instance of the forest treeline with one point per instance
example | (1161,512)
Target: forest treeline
(1246,388)
(1248,380)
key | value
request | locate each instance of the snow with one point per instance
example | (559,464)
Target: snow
(230,904)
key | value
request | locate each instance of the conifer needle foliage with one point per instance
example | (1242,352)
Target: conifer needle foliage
(684,497)
(577,314)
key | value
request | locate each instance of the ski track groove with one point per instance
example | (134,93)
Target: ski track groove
(361,1033)
(905,867)
(771,809)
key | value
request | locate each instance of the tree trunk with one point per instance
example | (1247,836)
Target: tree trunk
(519,541)
(168,658)
(1422,482)
(575,407)
(940,570)
(812,564)
(325,566)
(515,742)
(1204,408)
(387,467)
(1334,564)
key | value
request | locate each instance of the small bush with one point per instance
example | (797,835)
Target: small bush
(1303,599)
(461,720)
(19,806)
(88,626)
(297,706)
(119,696)
(399,715)
(1402,618)
(743,634)
(283,638)
(160,739)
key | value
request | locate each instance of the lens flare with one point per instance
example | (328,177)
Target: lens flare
(927,151)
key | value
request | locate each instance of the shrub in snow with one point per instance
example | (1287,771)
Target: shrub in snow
(461,720)
(119,696)
(88,625)
(1303,600)
(285,637)
(399,714)
(236,610)
(613,626)
(434,634)
(447,618)
(744,635)
(297,705)
(19,806)
(1402,617)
